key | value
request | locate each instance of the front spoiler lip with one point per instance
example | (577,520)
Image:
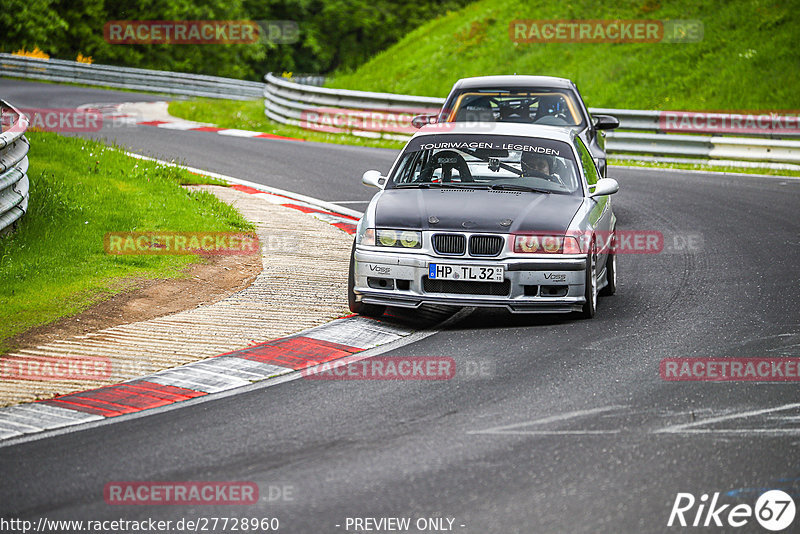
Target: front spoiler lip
(413,301)
(515,264)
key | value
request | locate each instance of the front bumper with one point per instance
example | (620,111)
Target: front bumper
(553,284)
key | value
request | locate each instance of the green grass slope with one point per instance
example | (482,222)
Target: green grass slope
(54,265)
(748,58)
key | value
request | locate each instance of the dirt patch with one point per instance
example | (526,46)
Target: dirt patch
(205,283)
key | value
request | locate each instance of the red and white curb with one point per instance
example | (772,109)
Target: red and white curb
(337,339)
(199,127)
(155,114)
(342,221)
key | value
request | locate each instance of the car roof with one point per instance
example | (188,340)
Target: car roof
(514,80)
(557,133)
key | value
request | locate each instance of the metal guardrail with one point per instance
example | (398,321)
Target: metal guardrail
(641,134)
(363,113)
(176,83)
(14,183)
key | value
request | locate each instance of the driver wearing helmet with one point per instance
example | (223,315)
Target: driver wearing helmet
(539,165)
(533,164)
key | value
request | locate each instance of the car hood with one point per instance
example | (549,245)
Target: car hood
(475,210)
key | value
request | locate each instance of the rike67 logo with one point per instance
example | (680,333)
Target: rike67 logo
(774,510)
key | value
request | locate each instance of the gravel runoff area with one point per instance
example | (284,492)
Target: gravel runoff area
(303,284)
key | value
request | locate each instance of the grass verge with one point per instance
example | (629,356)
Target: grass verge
(54,265)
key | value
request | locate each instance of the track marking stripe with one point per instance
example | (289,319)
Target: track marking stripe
(172,390)
(349,228)
(306,209)
(91,399)
(87,406)
(296,352)
(122,395)
(181,124)
(196,379)
(152,392)
(247,189)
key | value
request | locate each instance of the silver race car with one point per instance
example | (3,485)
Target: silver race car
(488,215)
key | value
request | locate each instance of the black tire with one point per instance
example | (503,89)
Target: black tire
(590,306)
(369,310)
(611,275)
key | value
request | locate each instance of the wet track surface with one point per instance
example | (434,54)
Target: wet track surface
(558,425)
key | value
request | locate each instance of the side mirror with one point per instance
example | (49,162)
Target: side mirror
(421,120)
(604,186)
(373,179)
(605,122)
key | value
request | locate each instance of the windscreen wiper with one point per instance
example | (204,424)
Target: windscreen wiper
(514,187)
(414,185)
(465,185)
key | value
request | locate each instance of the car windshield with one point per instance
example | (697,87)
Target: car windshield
(488,162)
(552,107)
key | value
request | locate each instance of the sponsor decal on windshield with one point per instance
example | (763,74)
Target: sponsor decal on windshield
(489,145)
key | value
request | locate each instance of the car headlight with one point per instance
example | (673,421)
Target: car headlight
(410,239)
(387,238)
(368,238)
(392,238)
(546,244)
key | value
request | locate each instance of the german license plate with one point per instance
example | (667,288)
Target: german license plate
(467,273)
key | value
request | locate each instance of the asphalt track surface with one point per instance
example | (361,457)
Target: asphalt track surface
(568,426)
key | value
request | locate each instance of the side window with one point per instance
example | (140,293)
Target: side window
(587,162)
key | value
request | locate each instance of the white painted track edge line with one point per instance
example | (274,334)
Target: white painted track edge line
(737,415)
(261,187)
(550,419)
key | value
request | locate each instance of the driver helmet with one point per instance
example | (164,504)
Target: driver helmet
(532,161)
